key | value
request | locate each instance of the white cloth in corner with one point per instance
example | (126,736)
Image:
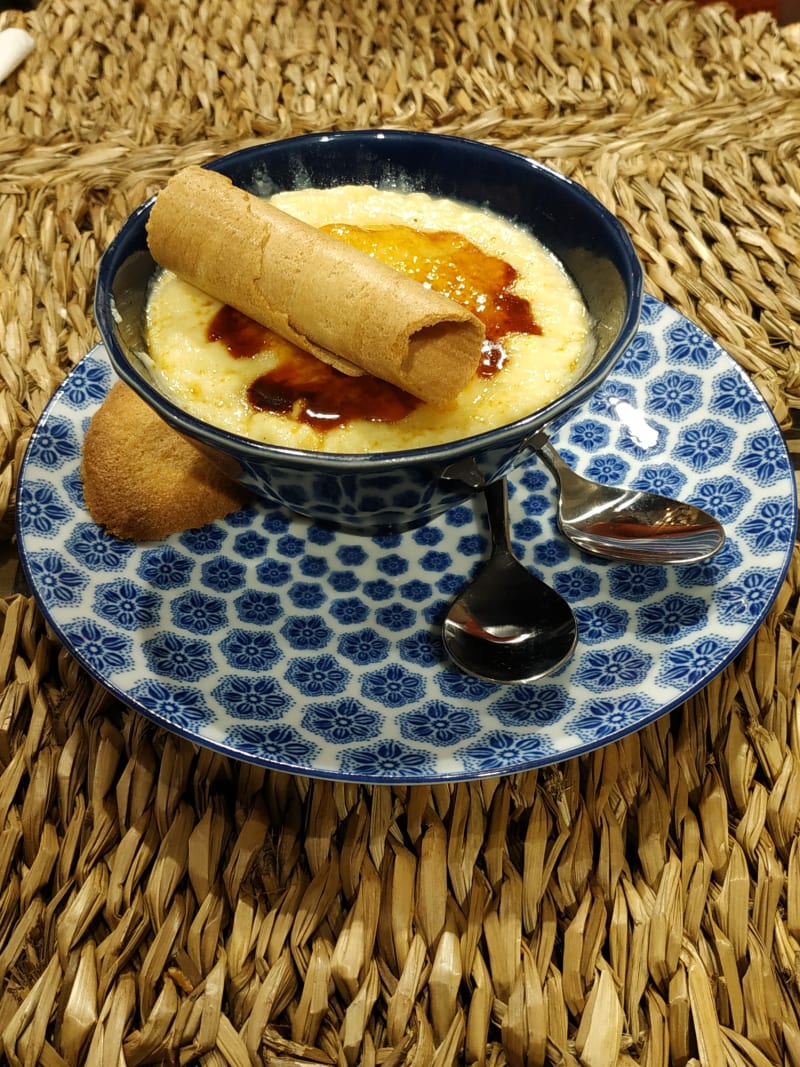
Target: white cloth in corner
(15,46)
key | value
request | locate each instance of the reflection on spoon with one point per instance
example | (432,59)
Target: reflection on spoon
(628,524)
(507,625)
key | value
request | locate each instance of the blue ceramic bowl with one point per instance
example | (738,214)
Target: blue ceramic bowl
(392,490)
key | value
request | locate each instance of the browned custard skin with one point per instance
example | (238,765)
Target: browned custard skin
(315,393)
(303,386)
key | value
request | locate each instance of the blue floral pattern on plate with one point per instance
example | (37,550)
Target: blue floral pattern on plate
(280,642)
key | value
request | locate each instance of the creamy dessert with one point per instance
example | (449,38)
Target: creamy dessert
(228,370)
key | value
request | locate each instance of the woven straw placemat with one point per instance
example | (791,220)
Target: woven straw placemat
(161,904)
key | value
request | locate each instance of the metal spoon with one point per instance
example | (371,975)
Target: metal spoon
(507,625)
(628,524)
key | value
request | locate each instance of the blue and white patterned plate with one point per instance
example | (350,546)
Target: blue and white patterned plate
(282,643)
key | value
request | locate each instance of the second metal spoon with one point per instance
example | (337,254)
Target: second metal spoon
(628,524)
(507,625)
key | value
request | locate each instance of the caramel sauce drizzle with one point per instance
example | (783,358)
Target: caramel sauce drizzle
(317,394)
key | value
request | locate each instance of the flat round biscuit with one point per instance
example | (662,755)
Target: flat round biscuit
(142,480)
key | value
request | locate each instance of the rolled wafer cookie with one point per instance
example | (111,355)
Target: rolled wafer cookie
(342,305)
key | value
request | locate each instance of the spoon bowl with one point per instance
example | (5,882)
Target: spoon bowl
(628,524)
(507,626)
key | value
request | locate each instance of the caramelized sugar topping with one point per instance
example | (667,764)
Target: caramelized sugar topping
(311,391)
(452,265)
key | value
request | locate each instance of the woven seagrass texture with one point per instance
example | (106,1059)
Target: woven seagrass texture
(639,905)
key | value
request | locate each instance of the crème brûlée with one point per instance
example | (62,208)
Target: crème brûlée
(229,371)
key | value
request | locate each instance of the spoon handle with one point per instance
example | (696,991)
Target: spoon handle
(540,443)
(496,497)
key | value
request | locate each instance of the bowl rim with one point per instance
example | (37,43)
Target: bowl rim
(260,451)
